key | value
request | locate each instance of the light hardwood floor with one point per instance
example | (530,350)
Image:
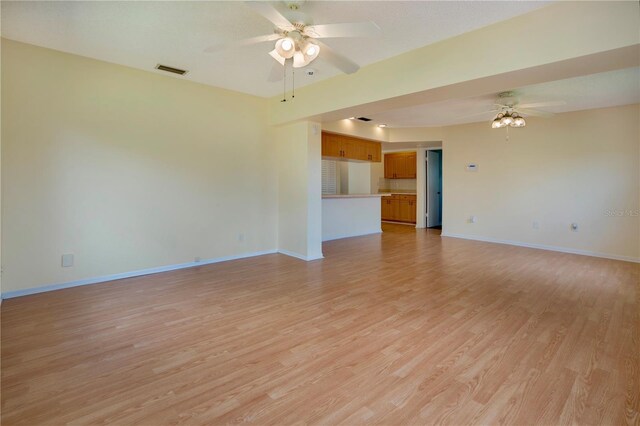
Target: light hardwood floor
(400,328)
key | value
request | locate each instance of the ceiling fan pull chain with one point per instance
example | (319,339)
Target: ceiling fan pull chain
(293,83)
(507,134)
(284,83)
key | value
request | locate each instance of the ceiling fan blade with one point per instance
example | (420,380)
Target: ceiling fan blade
(542,104)
(356,29)
(269,12)
(492,112)
(535,112)
(242,43)
(276,73)
(345,65)
(277,57)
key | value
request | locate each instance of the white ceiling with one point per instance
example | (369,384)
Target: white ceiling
(620,87)
(144,33)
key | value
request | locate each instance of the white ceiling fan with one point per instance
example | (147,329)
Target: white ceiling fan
(509,112)
(297,41)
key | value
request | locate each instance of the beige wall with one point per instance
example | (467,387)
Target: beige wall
(575,167)
(359,178)
(126,169)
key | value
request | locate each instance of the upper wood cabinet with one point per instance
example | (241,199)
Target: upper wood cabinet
(342,147)
(400,165)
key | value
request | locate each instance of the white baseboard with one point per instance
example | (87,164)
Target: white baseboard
(300,256)
(339,237)
(112,277)
(544,247)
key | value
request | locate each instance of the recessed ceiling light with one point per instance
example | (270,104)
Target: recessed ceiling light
(382,125)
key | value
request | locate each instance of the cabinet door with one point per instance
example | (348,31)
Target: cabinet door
(404,211)
(374,152)
(400,162)
(410,166)
(331,145)
(412,209)
(395,207)
(387,210)
(389,166)
(400,165)
(354,149)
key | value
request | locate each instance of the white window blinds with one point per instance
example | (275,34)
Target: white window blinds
(329,177)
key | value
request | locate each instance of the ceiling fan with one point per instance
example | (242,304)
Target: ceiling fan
(509,112)
(297,41)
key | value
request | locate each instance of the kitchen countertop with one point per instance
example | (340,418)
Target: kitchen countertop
(398,193)
(354,195)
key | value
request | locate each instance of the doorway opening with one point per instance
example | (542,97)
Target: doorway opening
(434,188)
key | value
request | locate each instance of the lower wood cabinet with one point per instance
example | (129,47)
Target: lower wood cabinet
(399,208)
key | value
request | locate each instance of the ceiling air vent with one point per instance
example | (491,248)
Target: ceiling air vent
(171,69)
(364,119)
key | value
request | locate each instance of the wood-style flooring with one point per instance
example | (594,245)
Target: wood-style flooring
(401,328)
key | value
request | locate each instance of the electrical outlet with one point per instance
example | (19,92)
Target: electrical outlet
(473,219)
(67,260)
(535,225)
(240,237)
(574,227)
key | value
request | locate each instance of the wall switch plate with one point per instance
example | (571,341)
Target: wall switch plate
(536,225)
(473,219)
(67,260)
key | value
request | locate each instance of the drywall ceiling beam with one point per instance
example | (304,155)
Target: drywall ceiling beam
(563,40)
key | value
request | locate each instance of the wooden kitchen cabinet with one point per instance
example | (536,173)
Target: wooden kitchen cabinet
(342,147)
(331,145)
(387,209)
(412,211)
(404,210)
(374,151)
(400,165)
(399,208)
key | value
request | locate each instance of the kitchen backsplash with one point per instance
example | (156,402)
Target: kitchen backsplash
(400,184)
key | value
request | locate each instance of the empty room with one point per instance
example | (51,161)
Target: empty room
(320,212)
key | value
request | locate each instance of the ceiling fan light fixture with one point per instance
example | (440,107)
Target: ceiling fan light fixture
(518,122)
(299,60)
(310,50)
(507,120)
(287,44)
(285,47)
(496,124)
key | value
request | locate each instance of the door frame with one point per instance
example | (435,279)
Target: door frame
(426,184)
